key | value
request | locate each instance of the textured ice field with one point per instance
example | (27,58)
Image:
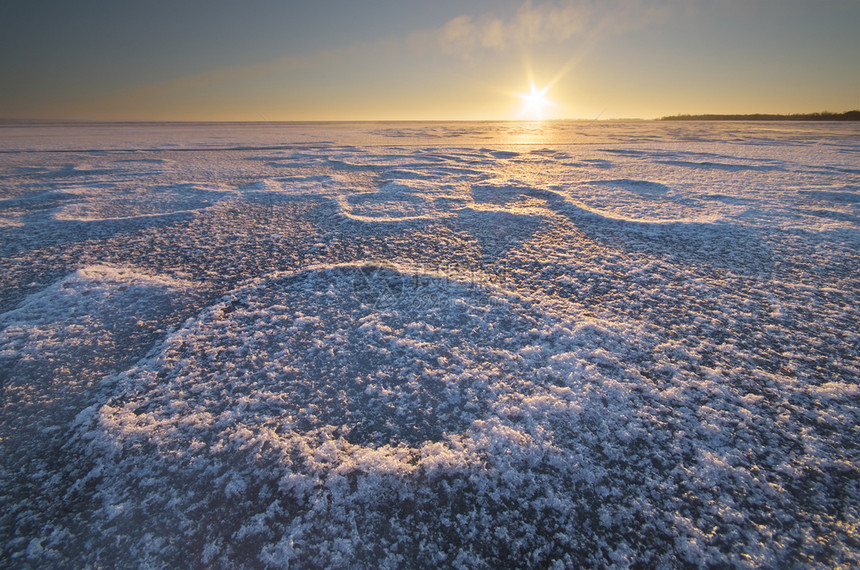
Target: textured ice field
(430,345)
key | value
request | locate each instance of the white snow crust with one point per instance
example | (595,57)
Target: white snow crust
(430,345)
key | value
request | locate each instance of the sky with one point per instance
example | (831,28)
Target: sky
(226,60)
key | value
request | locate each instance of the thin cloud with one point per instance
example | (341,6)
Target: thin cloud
(548,22)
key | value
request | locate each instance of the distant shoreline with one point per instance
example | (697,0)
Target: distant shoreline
(825,116)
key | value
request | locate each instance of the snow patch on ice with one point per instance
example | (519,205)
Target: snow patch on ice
(302,382)
(399,201)
(314,185)
(57,346)
(46,341)
(99,204)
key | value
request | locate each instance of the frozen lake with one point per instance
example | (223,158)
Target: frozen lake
(474,345)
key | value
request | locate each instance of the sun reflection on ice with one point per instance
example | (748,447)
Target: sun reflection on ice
(528,132)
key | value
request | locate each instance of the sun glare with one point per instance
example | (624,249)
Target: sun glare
(535,102)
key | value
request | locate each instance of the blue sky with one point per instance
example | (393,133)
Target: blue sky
(465,59)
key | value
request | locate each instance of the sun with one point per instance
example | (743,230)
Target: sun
(535,102)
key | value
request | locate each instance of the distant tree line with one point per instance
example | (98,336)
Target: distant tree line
(825,116)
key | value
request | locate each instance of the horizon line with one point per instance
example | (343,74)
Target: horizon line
(685,116)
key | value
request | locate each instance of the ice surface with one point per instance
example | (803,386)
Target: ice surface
(433,345)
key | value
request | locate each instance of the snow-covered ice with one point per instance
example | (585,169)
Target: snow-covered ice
(430,345)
